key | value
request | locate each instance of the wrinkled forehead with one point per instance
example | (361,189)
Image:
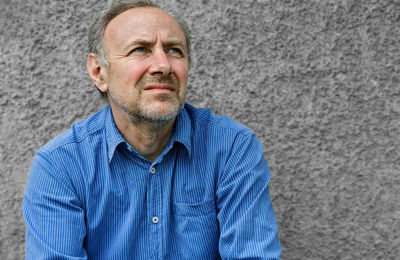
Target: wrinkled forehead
(142,22)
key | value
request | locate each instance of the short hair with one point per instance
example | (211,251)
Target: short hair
(103,18)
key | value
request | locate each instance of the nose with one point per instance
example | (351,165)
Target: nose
(160,64)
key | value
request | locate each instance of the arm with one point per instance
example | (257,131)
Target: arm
(54,217)
(247,223)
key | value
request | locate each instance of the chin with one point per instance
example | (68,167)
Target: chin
(163,107)
(161,111)
(163,114)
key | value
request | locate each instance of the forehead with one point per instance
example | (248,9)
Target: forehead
(142,22)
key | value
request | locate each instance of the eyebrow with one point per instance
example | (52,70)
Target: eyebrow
(148,43)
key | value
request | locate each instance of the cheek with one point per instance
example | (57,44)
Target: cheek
(181,73)
(134,72)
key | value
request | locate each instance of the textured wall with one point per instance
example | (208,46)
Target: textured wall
(317,80)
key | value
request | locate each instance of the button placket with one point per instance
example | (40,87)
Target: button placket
(155,212)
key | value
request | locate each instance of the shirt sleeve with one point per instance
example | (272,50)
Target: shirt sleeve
(54,216)
(248,229)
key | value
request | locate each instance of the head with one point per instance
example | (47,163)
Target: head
(139,57)
(103,18)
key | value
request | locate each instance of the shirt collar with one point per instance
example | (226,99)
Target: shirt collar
(182,133)
(113,136)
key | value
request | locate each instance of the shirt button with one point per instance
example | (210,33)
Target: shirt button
(152,170)
(155,220)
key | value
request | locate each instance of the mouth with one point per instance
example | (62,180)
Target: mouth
(164,88)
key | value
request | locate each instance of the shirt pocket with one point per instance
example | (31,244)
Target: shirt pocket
(195,230)
(194,210)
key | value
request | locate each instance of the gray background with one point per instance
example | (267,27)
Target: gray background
(317,80)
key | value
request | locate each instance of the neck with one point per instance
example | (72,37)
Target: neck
(148,138)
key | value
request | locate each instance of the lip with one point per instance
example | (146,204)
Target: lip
(160,87)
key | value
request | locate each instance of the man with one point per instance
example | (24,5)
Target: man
(148,177)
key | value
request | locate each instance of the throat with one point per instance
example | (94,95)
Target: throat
(149,139)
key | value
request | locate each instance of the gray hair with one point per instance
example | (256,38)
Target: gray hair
(103,18)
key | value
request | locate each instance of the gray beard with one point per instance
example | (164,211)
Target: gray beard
(154,123)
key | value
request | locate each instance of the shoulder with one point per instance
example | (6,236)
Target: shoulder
(203,118)
(78,133)
(69,155)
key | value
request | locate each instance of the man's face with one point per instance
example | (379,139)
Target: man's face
(148,64)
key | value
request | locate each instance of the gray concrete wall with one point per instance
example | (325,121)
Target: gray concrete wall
(317,80)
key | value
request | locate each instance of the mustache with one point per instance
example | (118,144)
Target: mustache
(158,79)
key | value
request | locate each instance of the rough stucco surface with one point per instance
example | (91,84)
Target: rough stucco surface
(317,80)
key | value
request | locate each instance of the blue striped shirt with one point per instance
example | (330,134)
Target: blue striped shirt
(90,195)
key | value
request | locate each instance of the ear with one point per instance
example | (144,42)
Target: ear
(97,72)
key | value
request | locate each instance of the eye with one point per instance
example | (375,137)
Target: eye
(175,51)
(139,49)
(139,52)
